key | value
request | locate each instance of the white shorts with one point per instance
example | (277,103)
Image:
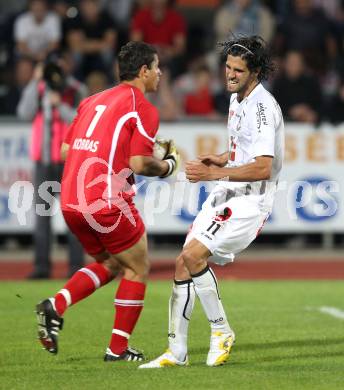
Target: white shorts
(226,227)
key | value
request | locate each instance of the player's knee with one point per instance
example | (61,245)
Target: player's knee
(146,267)
(138,273)
(190,260)
(142,268)
(112,266)
(181,271)
(180,261)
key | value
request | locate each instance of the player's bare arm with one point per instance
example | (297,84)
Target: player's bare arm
(219,160)
(164,161)
(148,166)
(64,151)
(260,169)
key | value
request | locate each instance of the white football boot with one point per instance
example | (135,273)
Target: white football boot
(220,348)
(167,359)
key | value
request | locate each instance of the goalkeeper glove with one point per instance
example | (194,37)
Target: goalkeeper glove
(172,157)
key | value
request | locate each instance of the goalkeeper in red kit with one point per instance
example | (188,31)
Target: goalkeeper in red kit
(110,139)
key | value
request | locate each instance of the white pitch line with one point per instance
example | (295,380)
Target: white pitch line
(332,311)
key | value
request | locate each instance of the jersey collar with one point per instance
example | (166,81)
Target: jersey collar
(254,92)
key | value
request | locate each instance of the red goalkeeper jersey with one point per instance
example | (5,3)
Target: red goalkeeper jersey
(109,128)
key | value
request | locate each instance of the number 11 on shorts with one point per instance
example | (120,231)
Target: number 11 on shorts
(213,224)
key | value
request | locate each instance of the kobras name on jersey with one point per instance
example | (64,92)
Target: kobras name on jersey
(85,144)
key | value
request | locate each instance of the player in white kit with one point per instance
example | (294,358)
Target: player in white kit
(236,209)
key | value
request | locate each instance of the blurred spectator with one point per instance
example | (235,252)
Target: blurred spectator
(162,26)
(186,84)
(9,7)
(198,3)
(61,7)
(50,101)
(199,15)
(308,29)
(164,99)
(66,13)
(200,101)
(121,12)
(335,110)
(96,82)
(195,90)
(37,32)
(280,8)
(92,37)
(23,71)
(332,8)
(222,96)
(221,102)
(9,10)
(245,17)
(297,91)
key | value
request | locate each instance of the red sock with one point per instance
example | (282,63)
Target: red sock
(83,283)
(129,304)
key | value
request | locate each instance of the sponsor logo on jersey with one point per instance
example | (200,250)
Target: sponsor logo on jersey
(207,236)
(238,126)
(230,115)
(261,116)
(224,215)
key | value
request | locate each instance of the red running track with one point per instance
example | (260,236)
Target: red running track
(246,270)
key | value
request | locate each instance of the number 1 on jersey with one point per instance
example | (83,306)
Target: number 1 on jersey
(99,111)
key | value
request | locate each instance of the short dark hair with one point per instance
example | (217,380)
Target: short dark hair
(132,57)
(253,50)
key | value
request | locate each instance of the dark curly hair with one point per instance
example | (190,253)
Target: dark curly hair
(253,50)
(132,57)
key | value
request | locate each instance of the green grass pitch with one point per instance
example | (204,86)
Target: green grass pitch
(283,340)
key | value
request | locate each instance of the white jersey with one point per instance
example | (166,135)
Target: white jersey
(255,128)
(37,36)
(235,212)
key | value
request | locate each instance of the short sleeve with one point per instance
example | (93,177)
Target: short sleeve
(19,29)
(263,123)
(145,128)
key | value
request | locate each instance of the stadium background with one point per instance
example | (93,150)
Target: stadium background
(289,328)
(306,35)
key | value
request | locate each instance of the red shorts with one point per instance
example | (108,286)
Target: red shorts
(124,236)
